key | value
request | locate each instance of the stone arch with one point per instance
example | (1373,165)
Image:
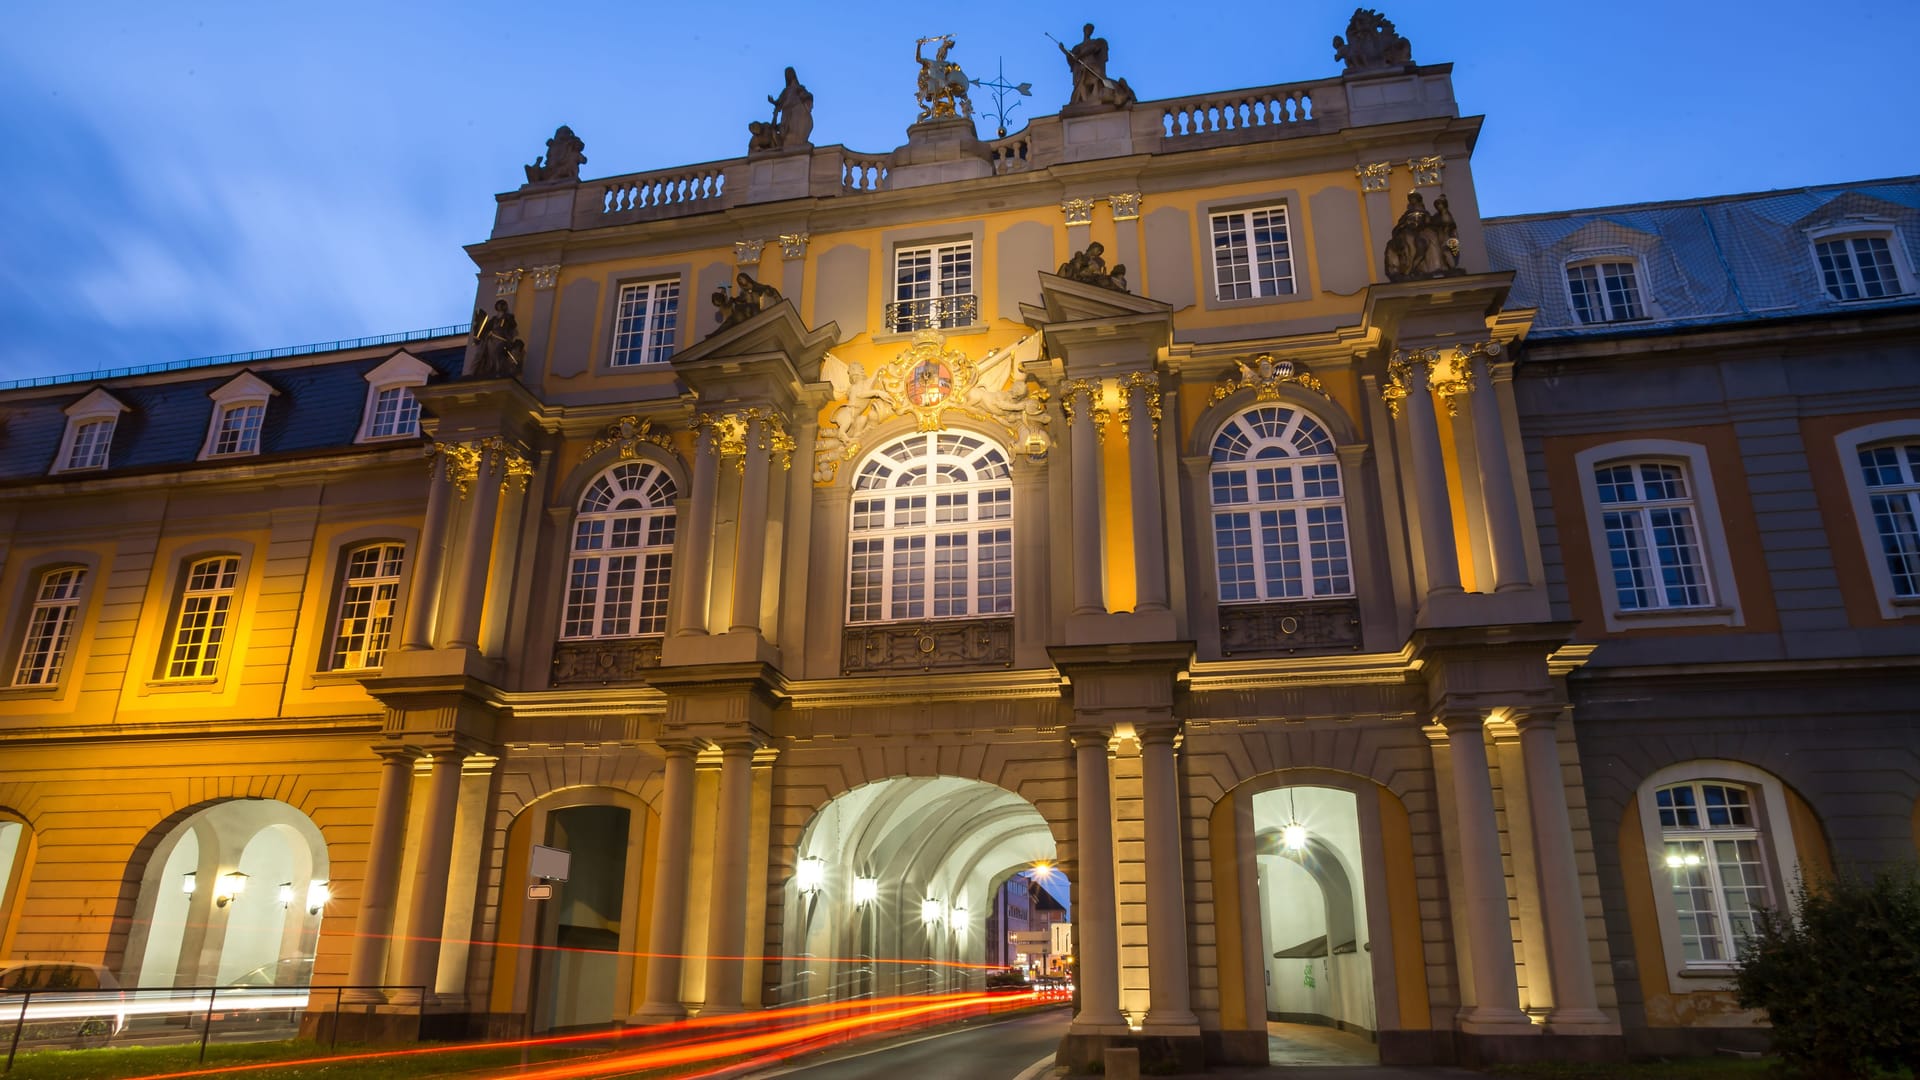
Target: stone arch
(521,823)
(1390,883)
(1324,409)
(900,426)
(572,484)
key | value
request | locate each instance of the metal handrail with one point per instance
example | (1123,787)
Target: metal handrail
(235,358)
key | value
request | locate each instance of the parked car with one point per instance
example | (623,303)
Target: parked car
(69,1002)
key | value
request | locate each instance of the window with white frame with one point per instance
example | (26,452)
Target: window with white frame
(933,288)
(932,530)
(1279,509)
(1252,253)
(90,442)
(369,594)
(1605,290)
(622,558)
(200,627)
(1858,267)
(1892,476)
(646,322)
(237,431)
(1653,535)
(1713,856)
(396,413)
(51,624)
(391,411)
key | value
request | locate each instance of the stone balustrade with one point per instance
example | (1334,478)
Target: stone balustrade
(1169,125)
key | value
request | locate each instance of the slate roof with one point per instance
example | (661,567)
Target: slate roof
(318,407)
(1724,259)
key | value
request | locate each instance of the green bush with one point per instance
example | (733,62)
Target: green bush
(1840,979)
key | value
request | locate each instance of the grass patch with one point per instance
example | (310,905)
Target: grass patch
(116,1062)
(1674,1069)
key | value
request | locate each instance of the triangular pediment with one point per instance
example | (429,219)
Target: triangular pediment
(401,367)
(1850,208)
(1064,300)
(776,331)
(243,387)
(96,402)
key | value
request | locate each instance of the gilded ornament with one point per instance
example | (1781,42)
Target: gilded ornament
(793,245)
(1400,376)
(729,434)
(747,252)
(506,282)
(1426,170)
(1078,211)
(1264,376)
(1125,204)
(1374,176)
(628,433)
(463,463)
(545,277)
(1149,387)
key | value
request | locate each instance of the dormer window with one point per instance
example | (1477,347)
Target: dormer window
(1859,267)
(392,412)
(89,437)
(1604,291)
(239,414)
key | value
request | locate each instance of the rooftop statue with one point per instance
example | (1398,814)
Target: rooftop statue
(493,351)
(792,123)
(943,86)
(1372,44)
(1090,267)
(1424,245)
(733,308)
(565,155)
(1087,62)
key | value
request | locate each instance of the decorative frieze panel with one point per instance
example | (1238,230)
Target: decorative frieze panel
(628,433)
(971,644)
(1264,376)
(604,663)
(1289,626)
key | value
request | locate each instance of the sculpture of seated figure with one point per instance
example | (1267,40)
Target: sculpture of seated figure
(734,308)
(1089,267)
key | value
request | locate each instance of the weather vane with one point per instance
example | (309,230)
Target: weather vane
(1001,88)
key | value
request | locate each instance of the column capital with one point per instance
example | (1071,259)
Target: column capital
(1156,734)
(1083,735)
(736,432)
(1527,717)
(1146,385)
(1452,721)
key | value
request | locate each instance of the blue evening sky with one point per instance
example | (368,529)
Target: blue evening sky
(197,178)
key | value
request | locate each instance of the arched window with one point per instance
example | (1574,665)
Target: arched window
(622,554)
(1711,839)
(200,627)
(1279,512)
(369,593)
(932,532)
(51,625)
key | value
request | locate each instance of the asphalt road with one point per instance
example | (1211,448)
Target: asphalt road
(995,1050)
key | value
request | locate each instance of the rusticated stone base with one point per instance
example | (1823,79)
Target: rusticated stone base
(1158,1053)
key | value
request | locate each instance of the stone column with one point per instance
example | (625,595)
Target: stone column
(1496,483)
(1169,1003)
(373,926)
(1430,483)
(1143,471)
(727,931)
(691,573)
(750,562)
(667,936)
(429,561)
(461,628)
(1095,927)
(420,954)
(1569,955)
(1089,592)
(1496,990)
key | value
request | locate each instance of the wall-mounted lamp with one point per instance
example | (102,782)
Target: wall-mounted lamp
(229,888)
(1042,871)
(317,896)
(958,916)
(1294,836)
(810,874)
(930,910)
(866,890)
(187,883)
(286,894)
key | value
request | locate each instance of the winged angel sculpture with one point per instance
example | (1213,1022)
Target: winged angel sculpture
(998,391)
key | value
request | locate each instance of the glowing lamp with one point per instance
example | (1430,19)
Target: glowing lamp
(1294,836)
(930,910)
(285,894)
(1043,871)
(317,896)
(187,882)
(229,888)
(810,874)
(865,891)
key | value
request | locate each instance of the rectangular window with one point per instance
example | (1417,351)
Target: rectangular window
(1893,494)
(90,443)
(1252,256)
(368,595)
(646,323)
(395,412)
(1653,542)
(1604,292)
(201,628)
(239,429)
(50,627)
(933,288)
(1858,268)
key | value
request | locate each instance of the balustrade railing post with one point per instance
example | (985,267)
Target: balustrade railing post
(339,995)
(18,1023)
(206,1025)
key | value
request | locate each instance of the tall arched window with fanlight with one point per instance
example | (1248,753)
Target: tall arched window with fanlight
(622,554)
(932,530)
(1279,509)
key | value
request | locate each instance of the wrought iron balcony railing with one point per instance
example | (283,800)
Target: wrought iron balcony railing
(933,313)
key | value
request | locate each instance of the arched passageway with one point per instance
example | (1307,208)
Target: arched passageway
(16,849)
(895,887)
(232,893)
(1313,905)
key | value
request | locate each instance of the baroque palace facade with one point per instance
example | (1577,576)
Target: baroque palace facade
(1446,629)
